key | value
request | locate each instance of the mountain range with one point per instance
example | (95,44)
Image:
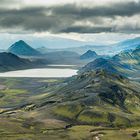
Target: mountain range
(126,63)
(103,98)
(110,49)
(22,48)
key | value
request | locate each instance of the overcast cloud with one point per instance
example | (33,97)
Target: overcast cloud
(59,23)
(66,17)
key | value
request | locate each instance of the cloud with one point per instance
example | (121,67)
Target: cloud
(116,9)
(8,2)
(78,18)
(84,29)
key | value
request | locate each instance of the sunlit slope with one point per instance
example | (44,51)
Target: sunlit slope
(99,98)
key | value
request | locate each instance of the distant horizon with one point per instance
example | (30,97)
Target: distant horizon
(65,24)
(56,42)
(51,46)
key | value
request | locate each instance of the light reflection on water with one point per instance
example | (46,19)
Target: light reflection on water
(41,72)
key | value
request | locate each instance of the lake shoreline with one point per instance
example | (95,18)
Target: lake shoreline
(49,72)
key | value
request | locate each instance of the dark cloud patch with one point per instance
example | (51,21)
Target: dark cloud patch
(36,19)
(64,18)
(119,9)
(22,18)
(85,29)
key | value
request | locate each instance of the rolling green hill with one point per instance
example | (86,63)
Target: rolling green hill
(99,98)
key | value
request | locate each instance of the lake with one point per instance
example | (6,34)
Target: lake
(41,72)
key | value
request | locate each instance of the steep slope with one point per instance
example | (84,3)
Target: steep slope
(89,55)
(23,49)
(100,95)
(98,98)
(136,54)
(9,61)
(100,63)
(132,52)
(130,59)
(74,117)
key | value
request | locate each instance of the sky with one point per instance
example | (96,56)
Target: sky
(54,23)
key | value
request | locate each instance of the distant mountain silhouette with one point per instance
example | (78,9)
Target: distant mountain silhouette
(23,49)
(9,61)
(89,55)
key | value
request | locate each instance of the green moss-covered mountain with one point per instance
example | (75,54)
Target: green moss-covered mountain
(99,98)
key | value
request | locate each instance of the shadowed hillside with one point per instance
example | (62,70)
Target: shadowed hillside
(9,61)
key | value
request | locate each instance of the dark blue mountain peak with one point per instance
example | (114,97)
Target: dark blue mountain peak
(89,54)
(22,48)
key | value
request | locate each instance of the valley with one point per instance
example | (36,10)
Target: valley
(69,70)
(31,110)
(63,95)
